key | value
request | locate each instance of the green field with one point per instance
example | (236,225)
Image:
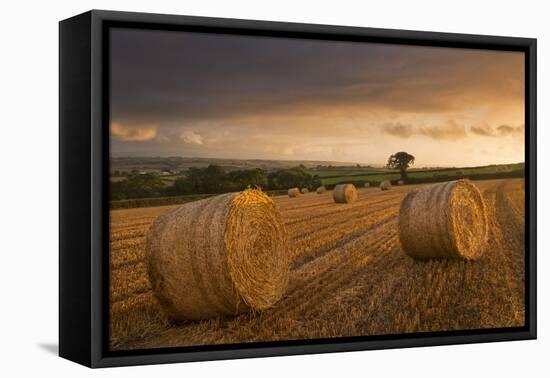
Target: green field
(368,177)
(346,171)
(330,175)
(374,175)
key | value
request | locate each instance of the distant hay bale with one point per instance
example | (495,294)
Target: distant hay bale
(294,192)
(366,185)
(344,193)
(304,190)
(385,185)
(321,190)
(448,219)
(223,255)
(400,182)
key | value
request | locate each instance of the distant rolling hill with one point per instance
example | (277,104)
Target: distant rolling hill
(180,164)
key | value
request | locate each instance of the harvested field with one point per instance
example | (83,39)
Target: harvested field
(349,276)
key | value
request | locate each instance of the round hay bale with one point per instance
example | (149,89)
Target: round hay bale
(366,185)
(321,190)
(344,193)
(294,192)
(448,219)
(400,182)
(304,190)
(222,255)
(385,185)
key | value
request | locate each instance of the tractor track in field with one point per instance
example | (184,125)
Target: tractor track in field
(305,280)
(352,217)
(124,297)
(129,235)
(338,279)
(326,202)
(303,258)
(127,263)
(343,209)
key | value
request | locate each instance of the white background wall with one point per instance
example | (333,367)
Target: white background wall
(29,186)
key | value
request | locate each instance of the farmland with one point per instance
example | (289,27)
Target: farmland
(338,175)
(158,188)
(349,276)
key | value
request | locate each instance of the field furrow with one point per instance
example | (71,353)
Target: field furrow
(316,244)
(335,212)
(310,280)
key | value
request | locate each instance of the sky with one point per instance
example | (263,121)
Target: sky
(249,97)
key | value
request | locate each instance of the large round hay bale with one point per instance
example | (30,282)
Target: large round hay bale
(304,190)
(222,255)
(294,192)
(448,219)
(344,193)
(321,190)
(366,185)
(385,185)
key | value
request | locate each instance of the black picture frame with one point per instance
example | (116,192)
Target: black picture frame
(83,181)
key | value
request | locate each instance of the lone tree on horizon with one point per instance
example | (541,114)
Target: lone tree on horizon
(401,161)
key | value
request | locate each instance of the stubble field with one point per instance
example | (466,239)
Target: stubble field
(349,276)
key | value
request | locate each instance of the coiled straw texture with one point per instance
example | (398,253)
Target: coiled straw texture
(223,255)
(344,193)
(385,185)
(294,192)
(445,220)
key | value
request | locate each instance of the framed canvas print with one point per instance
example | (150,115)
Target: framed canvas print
(233,188)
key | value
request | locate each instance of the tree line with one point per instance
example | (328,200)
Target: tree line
(210,180)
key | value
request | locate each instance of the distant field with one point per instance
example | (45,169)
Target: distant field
(331,176)
(378,175)
(370,177)
(347,171)
(158,164)
(349,277)
(156,201)
(166,201)
(336,175)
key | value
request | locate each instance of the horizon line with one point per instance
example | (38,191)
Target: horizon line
(307,160)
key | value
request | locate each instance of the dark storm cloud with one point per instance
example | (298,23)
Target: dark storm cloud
(483,130)
(499,131)
(399,130)
(451,130)
(165,77)
(505,130)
